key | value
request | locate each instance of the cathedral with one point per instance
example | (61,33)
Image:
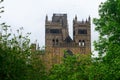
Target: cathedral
(58,40)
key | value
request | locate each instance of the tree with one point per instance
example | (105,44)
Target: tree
(17,61)
(108,45)
(14,53)
(75,67)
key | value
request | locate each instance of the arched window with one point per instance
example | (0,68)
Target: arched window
(53,42)
(83,42)
(68,53)
(80,43)
(57,41)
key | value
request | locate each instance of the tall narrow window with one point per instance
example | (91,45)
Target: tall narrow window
(53,42)
(83,42)
(73,33)
(57,41)
(79,43)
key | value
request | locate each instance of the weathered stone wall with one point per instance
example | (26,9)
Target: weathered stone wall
(57,39)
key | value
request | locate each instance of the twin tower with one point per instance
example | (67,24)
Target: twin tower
(57,39)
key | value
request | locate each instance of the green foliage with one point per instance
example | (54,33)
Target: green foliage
(108,25)
(17,60)
(74,67)
(107,65)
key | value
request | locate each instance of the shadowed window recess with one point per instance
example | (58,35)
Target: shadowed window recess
(55,31)
(55,42)
(68,53)
(81,42)
(73,33)
(82,31)
(68,39)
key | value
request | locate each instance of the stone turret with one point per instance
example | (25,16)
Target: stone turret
(46,19)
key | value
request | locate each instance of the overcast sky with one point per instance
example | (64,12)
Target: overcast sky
(30,14)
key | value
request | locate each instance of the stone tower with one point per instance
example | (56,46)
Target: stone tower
(82,34)
(56,30)
(57,39)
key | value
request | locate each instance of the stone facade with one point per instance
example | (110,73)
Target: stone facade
(57,39)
